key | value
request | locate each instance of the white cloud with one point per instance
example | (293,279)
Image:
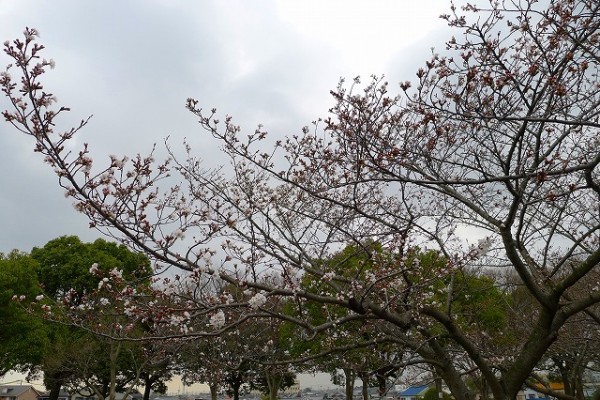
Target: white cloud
(364,35)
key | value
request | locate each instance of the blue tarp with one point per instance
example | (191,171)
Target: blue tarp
(413,391)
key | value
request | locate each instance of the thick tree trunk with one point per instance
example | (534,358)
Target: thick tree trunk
(543,335)
(447,371)
(55,387)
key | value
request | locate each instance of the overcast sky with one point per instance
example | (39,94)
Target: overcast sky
(133,64)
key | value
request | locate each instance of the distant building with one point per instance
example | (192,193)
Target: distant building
(63,395)
(88,394)
(530,394)
(18,392)
(133,395)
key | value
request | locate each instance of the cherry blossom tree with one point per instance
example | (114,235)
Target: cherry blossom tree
(252,354)
(489,157)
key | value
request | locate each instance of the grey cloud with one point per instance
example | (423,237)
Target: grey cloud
(133,64)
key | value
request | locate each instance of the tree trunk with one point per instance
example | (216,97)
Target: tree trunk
(115,348)
(579,391)
(364,377)
(55,389)
(484,389)
(365,392)
(213,392)
(438,388)
(274,382)
(349,383)
(147,388)
(382,385)
(236,391)
(455,382)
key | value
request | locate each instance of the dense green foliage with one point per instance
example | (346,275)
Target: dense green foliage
(22,336)
(31,341)
(65,262)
